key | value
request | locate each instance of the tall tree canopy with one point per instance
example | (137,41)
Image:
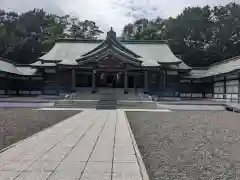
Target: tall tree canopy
(24,37)
(201,36)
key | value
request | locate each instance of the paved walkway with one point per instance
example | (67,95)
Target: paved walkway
(92,145)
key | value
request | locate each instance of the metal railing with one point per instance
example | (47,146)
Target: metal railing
(70,96)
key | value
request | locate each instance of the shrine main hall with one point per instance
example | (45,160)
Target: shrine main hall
(148,66)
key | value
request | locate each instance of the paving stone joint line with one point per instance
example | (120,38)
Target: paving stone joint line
(94,145)
(108,139)
(114,142)
(140,162)
(76,144)
(49,149)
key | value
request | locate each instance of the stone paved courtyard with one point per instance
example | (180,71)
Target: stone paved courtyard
(188,144)
(92,145)
(175,143)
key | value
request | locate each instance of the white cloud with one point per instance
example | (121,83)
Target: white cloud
(25,5)
(107,13)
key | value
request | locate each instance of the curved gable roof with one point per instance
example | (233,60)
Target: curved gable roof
(68,51)
(71,51)
(154,52)
(10,67)
(151,53)
(227,66)
(7,66)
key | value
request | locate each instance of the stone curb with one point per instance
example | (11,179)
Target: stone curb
(138,154)
(26,104)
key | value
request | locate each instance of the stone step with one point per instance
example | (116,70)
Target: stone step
(107,102)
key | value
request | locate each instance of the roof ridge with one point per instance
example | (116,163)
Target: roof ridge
(59,40)
(79,40)
(225,61)
(112,42)
(144,41)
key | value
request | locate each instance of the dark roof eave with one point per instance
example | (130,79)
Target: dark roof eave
(185,70)
(68,65)
(149,67)
(169,63)
(39,66)
(50,61)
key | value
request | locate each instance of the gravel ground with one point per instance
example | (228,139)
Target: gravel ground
(191,107)
(18,124)
(188,145)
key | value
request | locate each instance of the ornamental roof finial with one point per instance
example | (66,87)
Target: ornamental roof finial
(111,33)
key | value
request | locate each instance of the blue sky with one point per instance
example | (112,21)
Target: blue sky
(107,13)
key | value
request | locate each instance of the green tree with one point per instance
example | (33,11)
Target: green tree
(24,37)
(84,29)
(201,36)
(144,29)
(190,33)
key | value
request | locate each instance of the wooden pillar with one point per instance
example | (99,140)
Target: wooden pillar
(43,81)
(125,82)
(178,86)
(73,80)
(239,87)
(158,77)
(94,81)
(192,88)
(203,90)
(213,93)
(29,84)
(161,80)
(145,81)
(224,88)
(18,84)
(58,80)
(6,84)
(164,78)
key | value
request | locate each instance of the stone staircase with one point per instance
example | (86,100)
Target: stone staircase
(76,104)
(107,102)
